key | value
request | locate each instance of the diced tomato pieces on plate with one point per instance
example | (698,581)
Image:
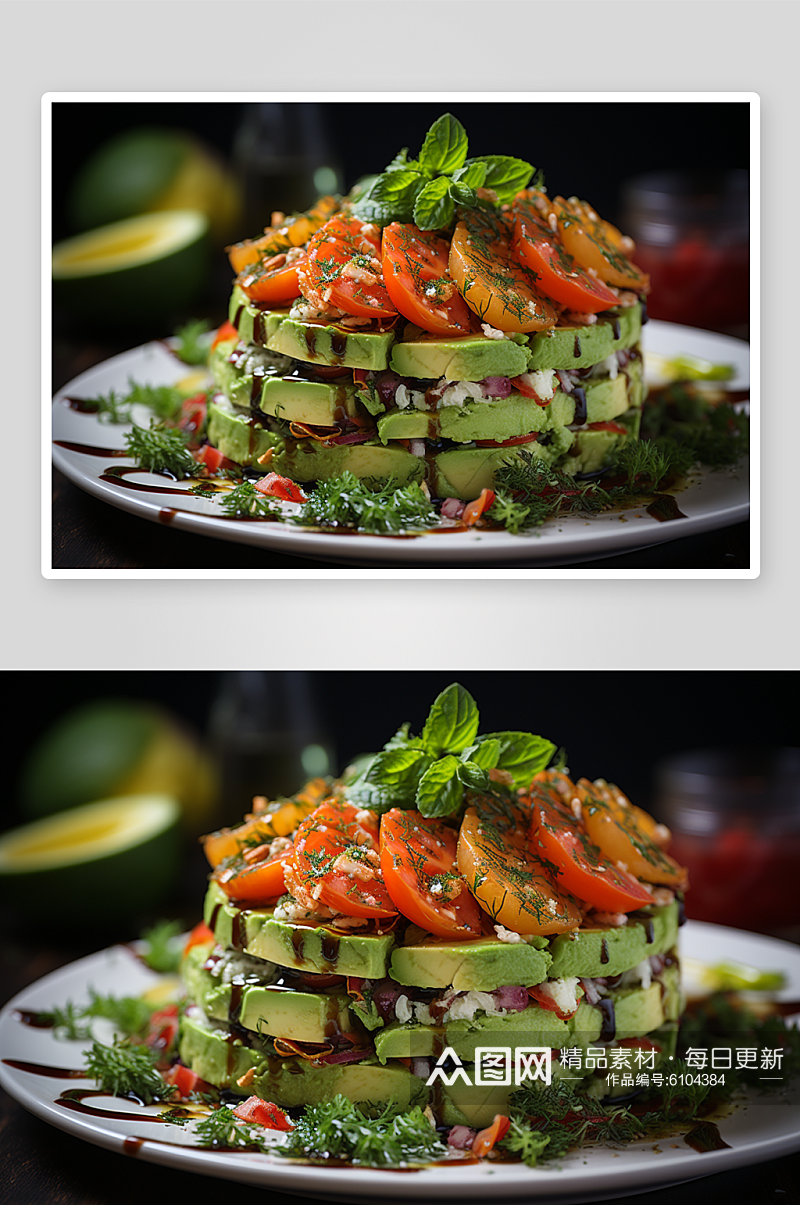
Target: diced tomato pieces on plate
(280,487)
(199,936)
(185,1080)
(263,1113)
(212,458)
(474,510)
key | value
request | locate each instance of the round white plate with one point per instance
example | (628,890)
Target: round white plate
(84,450)
(765,1128)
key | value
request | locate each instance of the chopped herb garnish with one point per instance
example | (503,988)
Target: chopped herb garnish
(190,346)
(340,1130)
(162,946)
(245,500)
(222,1129)
(127,1070)
(162,449)
(347,501)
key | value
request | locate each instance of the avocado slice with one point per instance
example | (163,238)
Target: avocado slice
(316,948)
(480,965)
(310,460)
(280,1009)
(590,953)
(238,435)
(470,358)
(573,346)
(299,399)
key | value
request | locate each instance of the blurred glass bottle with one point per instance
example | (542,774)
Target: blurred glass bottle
(692,235)
(735,821)
(267,736)
(284,160)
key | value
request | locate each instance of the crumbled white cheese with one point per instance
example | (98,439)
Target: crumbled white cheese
(543,382)
(464,1006)
(402,1008)
(611,366)
(460,392)
(508,935)
(405,397)
(491,332)
(243,968)
(563,992)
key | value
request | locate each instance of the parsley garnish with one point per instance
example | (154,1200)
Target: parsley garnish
(162,449)
(127,1070)
(340,1130)
(244,500)
(190,345)
(347,501)
(222,1129)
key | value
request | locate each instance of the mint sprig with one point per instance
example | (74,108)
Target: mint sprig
(429,190)
(430,772)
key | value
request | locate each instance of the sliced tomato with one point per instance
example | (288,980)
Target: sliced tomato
(492,281)
(626,834)
(507,443)
(255,880)
(596,244)
(193,412)
(415,270)
(486,1139)
(582,869)
(337,860)
(199,936)
(263,1113)
(185,1080)
(282,236)
(162,1030)
(505,875)
(212,458)
(474,510)
(343,270)
(280,487)
(539,248)
(274,281)
(225,333)
(418,860)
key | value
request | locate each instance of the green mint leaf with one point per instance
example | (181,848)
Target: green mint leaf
(504,175)
(434,208)
(462,194)
(440,791)
(390,780)
(472,775)
(521,754)
(472,174)
(445,146)
(452,722)
(484,754)
(403,739)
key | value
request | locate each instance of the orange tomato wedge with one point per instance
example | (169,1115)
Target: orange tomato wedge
(274,281)
(415,269)
(596,244)
(539,248)
(492,281)
(485,1140)
(418,860)
(626,834)
(256,881)
(504,873)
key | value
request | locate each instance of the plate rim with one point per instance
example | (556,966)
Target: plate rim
(543,549)
(549,1184)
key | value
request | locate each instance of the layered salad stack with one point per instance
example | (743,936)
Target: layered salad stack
(375,936)
(431,327)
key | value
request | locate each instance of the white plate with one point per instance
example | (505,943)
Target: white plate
(767,1127)
(713,499)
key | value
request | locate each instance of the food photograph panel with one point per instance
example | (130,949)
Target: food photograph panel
(353,936)
(451,334)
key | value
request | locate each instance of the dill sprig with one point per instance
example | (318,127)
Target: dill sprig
(338,1129)
(245,500)
(162,449)
(127,1070)
(165,401)
(111,407)
(190,346)
(128,1014)
(349,502)
(222,1129)
(162,946)
(66,1022)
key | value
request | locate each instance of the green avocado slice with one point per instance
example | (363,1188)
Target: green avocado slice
(582,346)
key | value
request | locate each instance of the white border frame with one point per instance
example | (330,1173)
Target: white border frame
(445,98)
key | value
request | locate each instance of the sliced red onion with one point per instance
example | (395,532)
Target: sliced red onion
(496,386)
(453,508)
(353,1054)
(623,356)
(564,380)
(511,997)
(358,436)
(590,989)
(384,997)
(387,387)
(462,1138)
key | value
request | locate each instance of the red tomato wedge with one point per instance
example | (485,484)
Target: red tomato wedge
(337,861)
(224,333)
(185,1080)
(343,270)
(274,280)
(415,269)
(263,1113)
(582,869)
(508,443)
(505,875)
(539,248)
(280,487)
(418,860)
(199,936)
(253,880)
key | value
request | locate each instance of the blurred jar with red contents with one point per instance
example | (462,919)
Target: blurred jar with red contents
(692,235)
(735,821)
